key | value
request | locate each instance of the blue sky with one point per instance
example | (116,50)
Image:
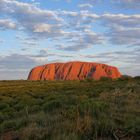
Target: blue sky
(36,32)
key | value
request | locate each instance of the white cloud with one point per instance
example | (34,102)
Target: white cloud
(82,41)
(85,5)
(122,29)
(6,23)
(119,3)
(42,28)
(26,14)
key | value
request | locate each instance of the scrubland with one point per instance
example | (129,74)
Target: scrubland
(70,110)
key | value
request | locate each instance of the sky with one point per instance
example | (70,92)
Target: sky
(37,32)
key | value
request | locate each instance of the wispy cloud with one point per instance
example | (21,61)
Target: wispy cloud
(122,29)
(118,3)
(128,3)
(85,5)
(7,24)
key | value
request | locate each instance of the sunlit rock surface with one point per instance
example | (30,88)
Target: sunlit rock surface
(73,71)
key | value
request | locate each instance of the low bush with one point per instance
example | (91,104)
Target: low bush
(3,106)
(52,105)
(105,79)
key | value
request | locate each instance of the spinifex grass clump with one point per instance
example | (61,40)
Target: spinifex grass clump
(70,110)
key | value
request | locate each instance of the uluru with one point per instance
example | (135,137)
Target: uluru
(73,71)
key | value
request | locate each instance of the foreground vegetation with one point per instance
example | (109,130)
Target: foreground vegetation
(70,110)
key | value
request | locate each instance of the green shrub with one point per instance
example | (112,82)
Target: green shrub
(35,108)
(9,112)
(1,117)
(3,106)
(89,79)
(105,79)
(137,77)
(125,78)
(22,122)
(52,105)
(8,125)
(19,106)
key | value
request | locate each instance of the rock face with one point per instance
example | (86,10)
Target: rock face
(73,71)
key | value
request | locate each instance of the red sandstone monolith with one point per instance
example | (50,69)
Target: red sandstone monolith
(73,71)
